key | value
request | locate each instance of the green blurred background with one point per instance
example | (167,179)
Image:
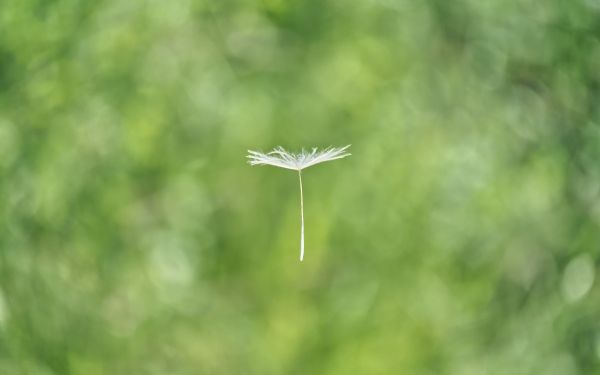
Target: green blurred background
(461,237)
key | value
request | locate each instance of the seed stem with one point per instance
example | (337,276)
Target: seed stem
(301,217)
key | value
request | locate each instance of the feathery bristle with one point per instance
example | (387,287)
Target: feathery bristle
(281,158)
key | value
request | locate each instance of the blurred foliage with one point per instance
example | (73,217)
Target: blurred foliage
(462,236)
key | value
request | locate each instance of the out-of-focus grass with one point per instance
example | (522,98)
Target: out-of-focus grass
(460,238)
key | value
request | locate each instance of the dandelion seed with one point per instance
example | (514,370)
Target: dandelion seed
(297,162)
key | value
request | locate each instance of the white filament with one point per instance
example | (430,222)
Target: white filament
(301,217)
